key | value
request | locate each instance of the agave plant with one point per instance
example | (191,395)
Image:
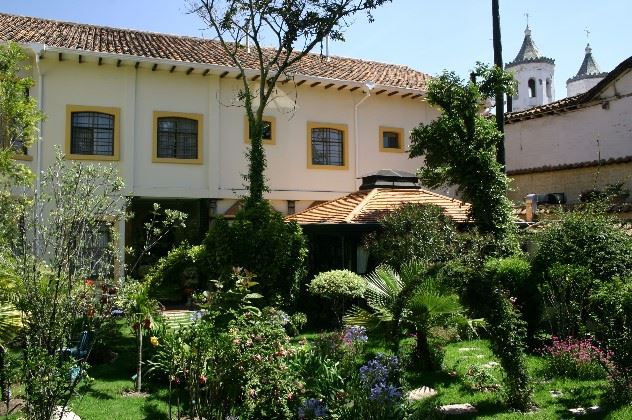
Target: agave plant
(409,298)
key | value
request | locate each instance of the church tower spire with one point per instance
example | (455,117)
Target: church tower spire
(587,76)
(534,74)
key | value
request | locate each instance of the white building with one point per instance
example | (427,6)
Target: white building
(534,76)
(576,144)
(165,110)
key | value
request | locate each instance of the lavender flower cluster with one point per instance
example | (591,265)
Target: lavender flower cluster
(379,377)
(354,334)
(311,409)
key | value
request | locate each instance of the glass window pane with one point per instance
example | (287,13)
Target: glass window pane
(327,146)
(92,133)
(177,138)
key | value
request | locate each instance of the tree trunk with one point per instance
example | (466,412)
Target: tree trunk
(139,368)
(256,164)
(422,350)
(500,97)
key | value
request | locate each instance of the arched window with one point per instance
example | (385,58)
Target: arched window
(327,144)
(92,133)
(549,90)
(177,137)
(531,85)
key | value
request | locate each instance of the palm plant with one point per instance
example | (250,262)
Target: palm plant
(410,298)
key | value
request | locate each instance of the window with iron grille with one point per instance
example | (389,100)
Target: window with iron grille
(92,133)
(327,146)
(177,138)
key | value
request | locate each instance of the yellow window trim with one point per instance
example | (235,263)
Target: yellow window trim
(400,133)
(20,156)
(345,145)
(271,120)
(116,149)
(200,136)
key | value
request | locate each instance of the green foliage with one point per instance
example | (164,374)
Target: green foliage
(586,238)
(412,300)
(239,369)
(55,266)
(459,147)
(260,241)
(335,284)
(611,313)
(414,231)
(338,286)
(507,332)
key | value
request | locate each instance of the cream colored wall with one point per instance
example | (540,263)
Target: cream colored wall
(288,174)
(140,92)
(577,136)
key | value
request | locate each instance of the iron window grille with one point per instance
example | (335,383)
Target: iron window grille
(327,146)
(177,138)
(92,133)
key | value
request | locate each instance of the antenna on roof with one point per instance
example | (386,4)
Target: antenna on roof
(587,34)
(527,16)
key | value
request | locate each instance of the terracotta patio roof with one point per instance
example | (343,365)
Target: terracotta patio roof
(125,42)
(372,205)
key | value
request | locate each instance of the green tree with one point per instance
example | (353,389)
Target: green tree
(459,147)
(414,231)
(19,118)
(294,28)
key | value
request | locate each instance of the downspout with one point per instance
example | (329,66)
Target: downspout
(369,86)
(38,49)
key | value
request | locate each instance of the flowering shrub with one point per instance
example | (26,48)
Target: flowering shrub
(380,376)
(311,409)
(576,358)
(354,334)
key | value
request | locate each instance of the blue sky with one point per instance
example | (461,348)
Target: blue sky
(427,35)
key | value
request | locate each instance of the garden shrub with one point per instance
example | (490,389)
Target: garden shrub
(565,292)
(338,286)
(166,276)
(576,358)
(611,313)
(413,231)
(260,241)
(588,238)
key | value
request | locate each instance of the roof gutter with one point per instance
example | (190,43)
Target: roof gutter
(367,93)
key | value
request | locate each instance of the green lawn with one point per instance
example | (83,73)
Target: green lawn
(107,398)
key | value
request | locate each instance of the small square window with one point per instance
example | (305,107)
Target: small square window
(269,130)
(391,139)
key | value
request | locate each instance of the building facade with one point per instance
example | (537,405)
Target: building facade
(166,111)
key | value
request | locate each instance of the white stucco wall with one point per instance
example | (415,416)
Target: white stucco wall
(601,130)
(140,92)
(582,85)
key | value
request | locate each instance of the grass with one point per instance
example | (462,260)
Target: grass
(455,385)
(107,397)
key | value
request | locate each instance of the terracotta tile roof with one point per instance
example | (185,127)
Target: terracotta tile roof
(567,166)
(100,39)
(370,206)
(573,102)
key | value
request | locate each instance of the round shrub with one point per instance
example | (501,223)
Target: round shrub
(338,284)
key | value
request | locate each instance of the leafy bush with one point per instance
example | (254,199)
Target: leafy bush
(260,241)
(565,293)
(588,238)
(413,231)
(576,358)
(611,312)
(338,286)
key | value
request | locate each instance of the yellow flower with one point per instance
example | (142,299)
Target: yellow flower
(154,341)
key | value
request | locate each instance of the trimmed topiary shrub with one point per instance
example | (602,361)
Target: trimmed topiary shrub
(338,286)
(260,241)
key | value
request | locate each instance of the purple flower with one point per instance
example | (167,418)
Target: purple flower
(354,334)
(312,408)
(385,393)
